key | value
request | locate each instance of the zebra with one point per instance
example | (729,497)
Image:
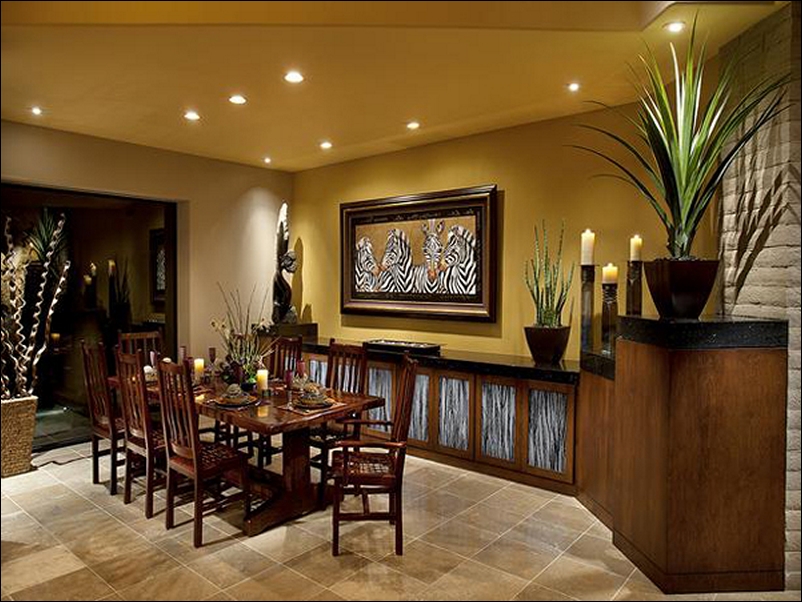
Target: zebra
(396,264)
(366,269)
(460,272)
(426,277)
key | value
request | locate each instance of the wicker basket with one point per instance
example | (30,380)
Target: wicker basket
(18,422)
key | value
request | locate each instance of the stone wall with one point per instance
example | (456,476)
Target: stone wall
(760,227)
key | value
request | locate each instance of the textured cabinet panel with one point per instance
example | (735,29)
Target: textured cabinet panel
(419,426)
(380,383)
(498,420)
(454,400)
(548,418)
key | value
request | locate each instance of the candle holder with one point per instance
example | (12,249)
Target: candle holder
(609,315)
(586,325)
(634,288)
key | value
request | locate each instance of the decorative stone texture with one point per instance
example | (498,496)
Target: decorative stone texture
(769,171)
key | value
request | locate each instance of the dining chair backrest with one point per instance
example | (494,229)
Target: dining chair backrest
(179,414)
(136,411)
(347,368)
(131,342)
(96,381)
(285,355)
(402,412)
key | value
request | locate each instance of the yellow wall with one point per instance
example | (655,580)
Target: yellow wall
(540,178)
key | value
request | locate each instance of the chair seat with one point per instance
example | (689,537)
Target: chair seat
(214,458)
(159,443)
(366,467)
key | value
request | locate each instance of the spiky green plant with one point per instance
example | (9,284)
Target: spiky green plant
(686,148)
(547,284)
(44,233)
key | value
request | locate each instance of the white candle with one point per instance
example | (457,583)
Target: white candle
(199,365)
(261,379)
(93,269)
(635,248)
(588,240)
(610,274)
(112,267)
(87,280)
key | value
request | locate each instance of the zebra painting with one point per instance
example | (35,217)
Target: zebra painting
(366,268)
(459,258)
(427,276)
(396,264)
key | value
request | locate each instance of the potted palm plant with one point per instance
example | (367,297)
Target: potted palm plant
(548,286)
(684,148)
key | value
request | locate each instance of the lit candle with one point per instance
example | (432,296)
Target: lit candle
(588,240)
(635,248)
(610,274)
(92,269)
(199,368)
(55,337)
(87,280)
(261,379)
(112,267)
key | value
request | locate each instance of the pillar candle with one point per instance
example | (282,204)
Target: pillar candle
(635,248)
(199,365)
(610,274)
(112,267)
(261,379)
(87,280)
(55,337)
(588,240)
(92,269)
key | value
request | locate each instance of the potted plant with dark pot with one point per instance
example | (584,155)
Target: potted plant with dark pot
(684,146)
(548,286)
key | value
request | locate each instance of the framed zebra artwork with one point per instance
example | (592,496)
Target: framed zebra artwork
(429,255)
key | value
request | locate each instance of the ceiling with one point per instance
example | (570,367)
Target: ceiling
(129,70)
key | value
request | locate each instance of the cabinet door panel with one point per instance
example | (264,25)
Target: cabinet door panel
(549,435)
(454,413)
(380,383)
(498,424)
(419,425)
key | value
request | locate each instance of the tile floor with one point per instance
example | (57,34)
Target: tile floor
(468,537)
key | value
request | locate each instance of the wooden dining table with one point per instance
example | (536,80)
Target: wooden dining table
(290,494)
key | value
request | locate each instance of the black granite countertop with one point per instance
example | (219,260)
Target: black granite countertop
(599,362)
(495,364)
(710,332)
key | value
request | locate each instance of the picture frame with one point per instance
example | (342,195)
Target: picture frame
(428,255)
(158,269)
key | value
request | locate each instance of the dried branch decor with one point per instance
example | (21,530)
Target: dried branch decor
(22,345)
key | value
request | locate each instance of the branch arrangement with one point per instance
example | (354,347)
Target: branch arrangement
(22,345)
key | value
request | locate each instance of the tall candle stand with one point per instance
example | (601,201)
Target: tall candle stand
(634,288)
(588,279)
(609,315)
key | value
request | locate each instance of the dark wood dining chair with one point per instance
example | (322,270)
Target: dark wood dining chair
(285,355)
(346,370)
(144,438)
(131,342)
(188,456)
(375,467)
(106,421)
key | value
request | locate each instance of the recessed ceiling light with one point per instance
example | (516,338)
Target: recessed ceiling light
(675,26)
(237,99)
(413,125)
(573,87)
(267,160)
(326,145)
(191,116)
(294,77)
(36,110)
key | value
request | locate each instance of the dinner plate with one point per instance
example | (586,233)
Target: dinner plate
(313,402)
(236,402)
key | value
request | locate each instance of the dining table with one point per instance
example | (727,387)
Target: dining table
(289,494)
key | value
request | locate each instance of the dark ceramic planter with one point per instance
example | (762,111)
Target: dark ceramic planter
(547,345)
(680,287)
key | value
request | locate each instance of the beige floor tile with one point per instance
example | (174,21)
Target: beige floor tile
(473,488)
(318,564)
(748,596)
(7,506)
(276,583)
(512,556)
(432,476)
(182,548)
(378,582)
(326,595)
(39,567)
(579,580)
(24,540)
(80,526)
(639,587)
(98,543)
(460,538)
(536,592)
(600,553)
(418,521)
(26,482)
(373,540)
(219,596)
(574,517)
(231,565)
(283,543)
(601,531)
(128,568)
(423,561)
(82,584)
(518,501)
(177,584)
(489,518)
(473,581)
(412,490)
(440,502)
(539,534)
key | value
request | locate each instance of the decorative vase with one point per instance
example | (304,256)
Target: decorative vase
(547,344)
(680,287)
(18,423)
